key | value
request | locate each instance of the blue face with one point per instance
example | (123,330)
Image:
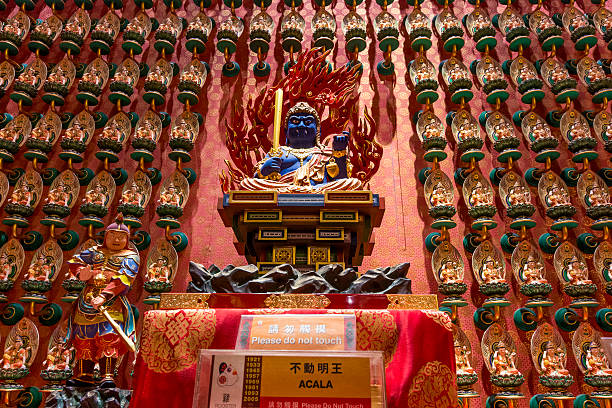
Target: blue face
(301,131)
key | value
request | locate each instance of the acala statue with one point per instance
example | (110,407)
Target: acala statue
(170,197)
(23,195)
(596,196)
(518,195)
(131,196)
(450,272)
(491,271)
(15,355)
(440,196)
(503,361)
(6,266)
(76,132)
(58,358)
(109,270)
(577,272)
(41,269)
(304,165)
(539,131)
(553,361)
(45,133)
(596,361)
(95,196)
(60,196)
(577,131)
(480,196)
(159,271)
(462,360)
(113,132)
(533,271)
(556,196)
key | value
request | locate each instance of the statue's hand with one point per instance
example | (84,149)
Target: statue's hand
(341,141)
(85,272)
(272,165)
(98,301)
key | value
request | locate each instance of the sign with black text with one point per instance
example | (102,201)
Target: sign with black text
(273,379)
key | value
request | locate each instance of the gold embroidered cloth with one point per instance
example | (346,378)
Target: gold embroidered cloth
(417,346)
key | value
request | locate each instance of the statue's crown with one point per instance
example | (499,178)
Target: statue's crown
(118,225)
(302,108)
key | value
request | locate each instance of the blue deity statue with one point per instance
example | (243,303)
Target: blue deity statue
(304,164)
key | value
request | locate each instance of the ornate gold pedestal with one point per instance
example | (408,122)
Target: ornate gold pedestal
(305,230)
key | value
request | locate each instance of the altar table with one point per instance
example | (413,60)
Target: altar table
(417,346)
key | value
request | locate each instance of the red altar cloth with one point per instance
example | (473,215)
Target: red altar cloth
(417,345)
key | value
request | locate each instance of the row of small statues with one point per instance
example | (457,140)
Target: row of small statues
(553,361)
(63,196)
(60,357)
(43,267)
(481,195)
(532,271)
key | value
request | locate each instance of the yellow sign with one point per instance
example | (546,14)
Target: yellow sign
(305,379)
(325,377)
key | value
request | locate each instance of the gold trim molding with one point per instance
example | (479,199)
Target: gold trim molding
(295,301)
(413,302)
(184,301)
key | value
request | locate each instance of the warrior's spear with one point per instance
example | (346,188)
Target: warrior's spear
(118,329)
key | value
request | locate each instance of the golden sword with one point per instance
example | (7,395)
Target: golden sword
(278,112)
(278,115)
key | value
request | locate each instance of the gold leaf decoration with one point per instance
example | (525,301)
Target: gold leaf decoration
(433,387)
